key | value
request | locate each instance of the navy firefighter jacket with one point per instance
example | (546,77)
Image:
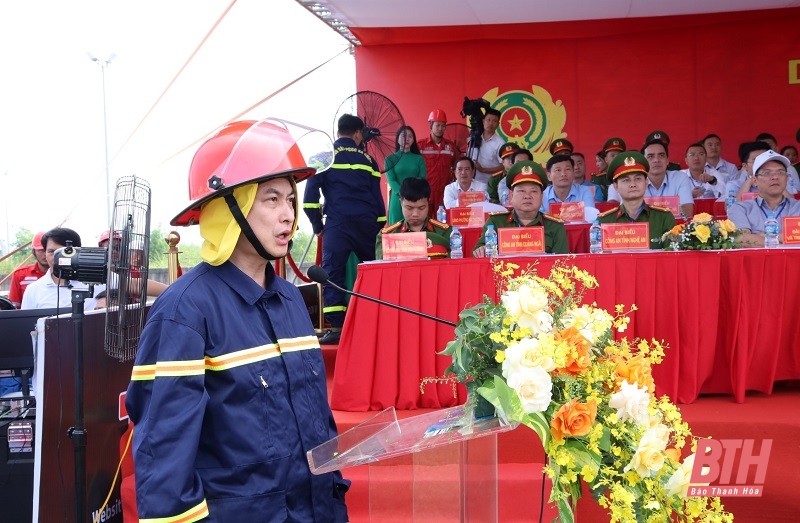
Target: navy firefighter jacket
(227,395)
(351,187)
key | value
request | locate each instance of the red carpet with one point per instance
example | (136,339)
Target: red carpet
(520,456)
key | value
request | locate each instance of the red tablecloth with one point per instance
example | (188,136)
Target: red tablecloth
(577,238)
(729,319)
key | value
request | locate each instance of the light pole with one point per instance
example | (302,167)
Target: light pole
(103,66)
(8,204)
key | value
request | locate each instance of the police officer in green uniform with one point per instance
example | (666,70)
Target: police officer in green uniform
(506,154)
(561,146)
(414,195)
(525,184)
(629,174)
(663,137)
(611,149)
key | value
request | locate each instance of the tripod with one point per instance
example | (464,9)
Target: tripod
(78,433)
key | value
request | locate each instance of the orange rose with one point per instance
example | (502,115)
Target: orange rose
(578,358)
(673,454)
(636,370)
(573,419)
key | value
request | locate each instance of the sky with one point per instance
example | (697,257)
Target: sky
(52,148)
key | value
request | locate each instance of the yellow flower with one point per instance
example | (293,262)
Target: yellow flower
(500,356)
(703,233)
(727,226)
(703,217)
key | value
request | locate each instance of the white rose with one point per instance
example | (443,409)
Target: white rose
(649,456)
(527,306)
(534,388)
(656,437)
(591,323)
(526,353)
(631,402)
(646,461)
(678,483)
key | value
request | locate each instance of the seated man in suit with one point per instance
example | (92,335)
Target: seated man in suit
(771,176)
(414,194)
(525,181)
(628,173)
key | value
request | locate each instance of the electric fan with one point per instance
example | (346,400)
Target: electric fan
(458,133)
(128,255)
(382,121)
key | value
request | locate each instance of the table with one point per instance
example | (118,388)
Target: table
(729,319)
(577,237)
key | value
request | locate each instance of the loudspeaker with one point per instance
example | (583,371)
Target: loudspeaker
(16,479)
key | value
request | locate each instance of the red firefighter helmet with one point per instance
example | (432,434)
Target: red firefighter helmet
(246,152)
(437,115)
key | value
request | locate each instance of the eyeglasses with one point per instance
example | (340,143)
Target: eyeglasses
(771,174)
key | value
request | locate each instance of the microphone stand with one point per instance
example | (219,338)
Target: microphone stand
(398,307)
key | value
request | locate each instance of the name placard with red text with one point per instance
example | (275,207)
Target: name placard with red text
(569,212)
(626,236)
(791,230)
(405,246)
(672,203)
(467,217)
(520,240)
(465,199)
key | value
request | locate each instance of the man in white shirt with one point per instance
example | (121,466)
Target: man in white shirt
(486,156)
(661,182)
(50,291)
(465,182)
(713,147)
(706,181)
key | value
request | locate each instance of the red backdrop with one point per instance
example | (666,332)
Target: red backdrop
(727,73)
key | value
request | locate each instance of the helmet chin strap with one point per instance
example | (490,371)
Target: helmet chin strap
(246,229)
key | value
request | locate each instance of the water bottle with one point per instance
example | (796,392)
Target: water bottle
(771,232)
(503,195)
(595,238)
(731,199)
(441,214)
(491,241)
(456,242)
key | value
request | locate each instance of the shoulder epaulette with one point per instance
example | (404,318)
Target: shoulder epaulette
(659,208)
(499,213)
(498,173)
(553,218)
(391,227)
(439,224)
(606,213)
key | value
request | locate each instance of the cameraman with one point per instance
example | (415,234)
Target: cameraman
(485,154)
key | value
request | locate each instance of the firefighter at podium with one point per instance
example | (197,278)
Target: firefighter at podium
(228,389)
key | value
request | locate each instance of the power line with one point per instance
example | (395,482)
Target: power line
(260,102)
(180,71)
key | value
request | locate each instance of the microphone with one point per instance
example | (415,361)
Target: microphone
(319,275)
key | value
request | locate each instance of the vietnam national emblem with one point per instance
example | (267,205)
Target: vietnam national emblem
(532,119)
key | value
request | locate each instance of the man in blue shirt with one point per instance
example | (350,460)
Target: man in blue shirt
(771,177)
(562,188)
(228,390)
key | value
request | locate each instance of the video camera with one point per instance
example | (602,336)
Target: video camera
(474,109)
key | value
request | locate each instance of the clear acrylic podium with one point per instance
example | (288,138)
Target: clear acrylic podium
(435,467)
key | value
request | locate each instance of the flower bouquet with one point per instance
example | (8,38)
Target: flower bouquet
(701,234)
(545,359)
